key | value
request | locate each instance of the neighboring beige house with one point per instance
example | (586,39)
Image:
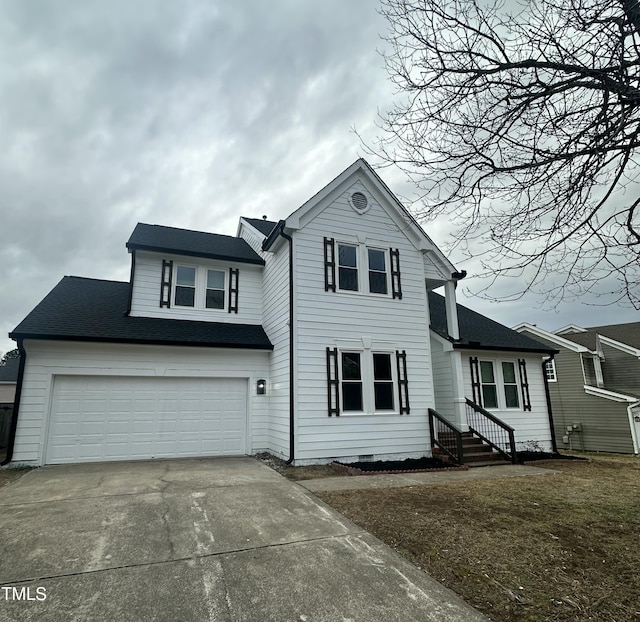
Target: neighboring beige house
(8,379)
(594,385)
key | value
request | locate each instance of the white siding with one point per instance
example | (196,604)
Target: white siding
(146,290)
(531,427)
(49,358)
(442,380)
(252,237)
(325,318)
(276,325)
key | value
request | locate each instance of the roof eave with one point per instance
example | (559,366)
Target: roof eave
(186,253)
(474,346)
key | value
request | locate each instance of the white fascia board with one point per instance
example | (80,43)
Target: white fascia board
(609,395)
(623,347)
(243,223)
(545,334)
(448,346)
(570,328)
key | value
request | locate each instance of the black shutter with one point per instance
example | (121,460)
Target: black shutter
(329,265)
(333,383)
(403,382)
(396,285)
(524,383)
(165,283)
(233,290)
(475,380)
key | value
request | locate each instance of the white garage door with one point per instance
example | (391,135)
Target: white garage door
(119,418)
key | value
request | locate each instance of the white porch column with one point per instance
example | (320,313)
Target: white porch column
(451,309)
(459,398)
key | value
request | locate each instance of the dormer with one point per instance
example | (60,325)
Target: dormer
(193,275)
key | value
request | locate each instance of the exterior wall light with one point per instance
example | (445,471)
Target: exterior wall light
(261,387)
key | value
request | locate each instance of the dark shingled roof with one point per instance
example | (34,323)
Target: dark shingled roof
(191,243)
(479,332)
(264,226)
(624,333)
(80,309)
(9,372)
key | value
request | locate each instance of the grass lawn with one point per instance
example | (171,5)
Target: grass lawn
(556,547)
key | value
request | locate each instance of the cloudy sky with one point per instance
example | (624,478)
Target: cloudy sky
(186,114)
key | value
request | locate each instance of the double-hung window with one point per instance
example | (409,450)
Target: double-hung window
(499,388)
(383,382)
(215,289)
(185,295)
(367,382)
(348,267)
(377,271)
(352,382)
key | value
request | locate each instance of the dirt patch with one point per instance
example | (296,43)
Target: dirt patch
(299,473)
(557,547)
(525,457)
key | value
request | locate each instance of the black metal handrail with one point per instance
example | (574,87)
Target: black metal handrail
(445,436)
(493,431)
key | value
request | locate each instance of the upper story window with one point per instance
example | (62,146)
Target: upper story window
(198,287)
(361,268)
(215,289)
(348,267)
(185,294)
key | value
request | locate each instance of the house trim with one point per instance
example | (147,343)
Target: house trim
(186,253)
(543,334)
(610,395)
(623,347)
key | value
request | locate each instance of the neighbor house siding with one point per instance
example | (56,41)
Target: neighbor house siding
(532,428)
(604,424)
(621,371)
(45,359)
(146,290)
(346,320)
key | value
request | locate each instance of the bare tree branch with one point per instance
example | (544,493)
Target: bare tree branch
(524,127)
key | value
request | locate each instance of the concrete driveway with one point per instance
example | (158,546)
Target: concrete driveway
(212,540)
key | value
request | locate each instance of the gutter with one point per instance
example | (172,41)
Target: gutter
(16,405)
(554,442)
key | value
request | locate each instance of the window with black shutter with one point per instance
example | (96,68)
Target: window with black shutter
(475,380)
(234,276)
(524,383)
(333,383)
(329,265)
(396,284)
(165,283)
(403,382)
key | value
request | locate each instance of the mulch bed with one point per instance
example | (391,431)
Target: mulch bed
(384,467)
(528,457)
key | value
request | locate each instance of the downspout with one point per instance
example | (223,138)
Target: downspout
(16,405)
(291,350)
(554,443)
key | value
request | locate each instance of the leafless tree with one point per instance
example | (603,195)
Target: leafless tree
(523,125)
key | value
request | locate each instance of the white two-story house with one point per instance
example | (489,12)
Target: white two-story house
(310,338)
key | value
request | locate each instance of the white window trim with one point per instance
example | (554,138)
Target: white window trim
(200,298)
(498,378)
(367,379)
(552,369)
(362,267)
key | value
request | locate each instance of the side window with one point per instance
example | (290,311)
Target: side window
(215,289)
(488,382)
(511,398)
(348,267)
(550,371)
(377,271)
(185,294)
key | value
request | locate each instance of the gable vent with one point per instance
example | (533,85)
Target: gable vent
(359,202)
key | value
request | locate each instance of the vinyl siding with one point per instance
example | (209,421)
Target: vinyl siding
(7,392)
(332,319)
(442,380)
(604,423)
(621,371)
(532,429)
(48,358)
(146,290)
